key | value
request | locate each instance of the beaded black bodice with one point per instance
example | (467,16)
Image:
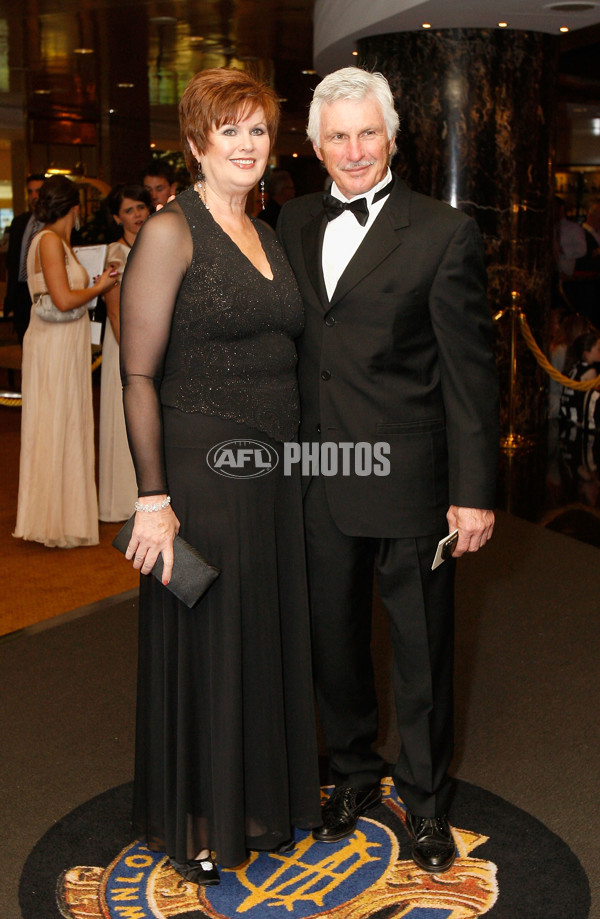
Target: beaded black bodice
(202,330)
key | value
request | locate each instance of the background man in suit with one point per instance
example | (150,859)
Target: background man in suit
(17,301)
(396,349)
(159,182)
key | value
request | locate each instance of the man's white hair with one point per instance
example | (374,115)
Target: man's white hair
(354,84)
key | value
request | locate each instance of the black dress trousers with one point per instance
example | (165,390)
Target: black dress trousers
(420,605)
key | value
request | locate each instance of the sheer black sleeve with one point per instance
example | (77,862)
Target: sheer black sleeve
(155,269)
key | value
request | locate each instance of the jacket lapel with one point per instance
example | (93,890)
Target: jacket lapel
(381,240)
(312,247)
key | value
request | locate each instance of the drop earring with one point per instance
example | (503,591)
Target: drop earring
(200,186)
(262,194)
(77,222)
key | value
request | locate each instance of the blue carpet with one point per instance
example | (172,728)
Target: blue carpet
(509,866)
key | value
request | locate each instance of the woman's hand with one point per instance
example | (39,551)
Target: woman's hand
(153,534)
(103,282)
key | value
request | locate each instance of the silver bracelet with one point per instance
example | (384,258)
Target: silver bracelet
(147,508)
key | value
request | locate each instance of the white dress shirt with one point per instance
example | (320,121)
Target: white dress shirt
(344,235)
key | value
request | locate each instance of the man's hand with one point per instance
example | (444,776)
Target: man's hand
(159,207)
(475,526)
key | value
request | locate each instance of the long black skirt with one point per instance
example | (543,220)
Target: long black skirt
(226,753)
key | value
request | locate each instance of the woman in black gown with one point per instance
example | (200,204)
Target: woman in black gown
(225,748)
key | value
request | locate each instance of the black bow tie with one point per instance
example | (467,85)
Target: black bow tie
(334,207)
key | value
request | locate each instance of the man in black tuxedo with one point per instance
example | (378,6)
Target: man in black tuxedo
(396,350)
(17,300)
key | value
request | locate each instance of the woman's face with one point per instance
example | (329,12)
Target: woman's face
(132,215)
(237,154)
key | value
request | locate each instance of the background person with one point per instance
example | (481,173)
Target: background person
(586,277)
(159,181)
(396,348)
(57,502)
(582,364)
(117,489)
(226,747)
(17,301)
(564,328)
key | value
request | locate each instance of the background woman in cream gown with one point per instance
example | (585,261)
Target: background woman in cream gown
(130,206)
(57,502)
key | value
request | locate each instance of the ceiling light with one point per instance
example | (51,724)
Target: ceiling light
(307,72)
(426,25)
(502,25)
(564,29)
(355,53)
(152,145)
(83,50)
(295,156)
(42,92)
(125,85)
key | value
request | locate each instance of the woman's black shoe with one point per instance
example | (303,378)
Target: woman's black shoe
(202,871)
(284,847)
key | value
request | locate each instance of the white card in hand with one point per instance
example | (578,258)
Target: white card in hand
(444,549)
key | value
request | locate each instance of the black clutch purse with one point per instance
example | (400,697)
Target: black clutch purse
(192,575)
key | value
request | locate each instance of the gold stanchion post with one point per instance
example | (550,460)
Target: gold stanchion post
(513,441)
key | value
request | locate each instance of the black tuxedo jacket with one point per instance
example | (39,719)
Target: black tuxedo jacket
(401,354)
(13,258)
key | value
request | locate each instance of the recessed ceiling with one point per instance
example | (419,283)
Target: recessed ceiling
(41,74)
(338,24)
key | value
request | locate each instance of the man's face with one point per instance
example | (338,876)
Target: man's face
(160,190)
(355,148)
(33,191)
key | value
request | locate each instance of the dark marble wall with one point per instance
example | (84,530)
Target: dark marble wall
(477,120)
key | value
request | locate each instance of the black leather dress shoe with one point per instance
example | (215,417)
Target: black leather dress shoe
(341,812)
(433,847)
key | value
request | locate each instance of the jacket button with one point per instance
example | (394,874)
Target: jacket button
(325,375)
(329,321)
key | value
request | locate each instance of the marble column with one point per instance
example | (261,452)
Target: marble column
(477,114)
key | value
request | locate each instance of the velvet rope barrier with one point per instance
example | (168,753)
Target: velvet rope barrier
(512,440)
(544,363)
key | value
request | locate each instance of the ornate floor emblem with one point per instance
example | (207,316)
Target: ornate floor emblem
(353,879)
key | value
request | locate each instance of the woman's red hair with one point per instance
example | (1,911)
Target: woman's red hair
(216,97)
